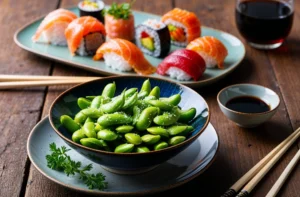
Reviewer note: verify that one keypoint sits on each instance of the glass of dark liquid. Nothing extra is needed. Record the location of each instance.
(264, 23)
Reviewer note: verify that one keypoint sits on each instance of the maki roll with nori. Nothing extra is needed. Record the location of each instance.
(92, 8)
(153, 38)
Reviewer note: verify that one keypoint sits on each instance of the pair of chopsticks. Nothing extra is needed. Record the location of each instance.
(22, 81)
(248, 181)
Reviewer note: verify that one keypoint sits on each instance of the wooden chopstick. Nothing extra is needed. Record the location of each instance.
(235, 188)
(255, 180)
(42, 78)
(278, 184)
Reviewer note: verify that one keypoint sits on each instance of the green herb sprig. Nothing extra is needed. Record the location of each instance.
(59, 160)
(120, 11)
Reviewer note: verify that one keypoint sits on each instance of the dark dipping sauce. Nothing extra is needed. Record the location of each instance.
(247, 104)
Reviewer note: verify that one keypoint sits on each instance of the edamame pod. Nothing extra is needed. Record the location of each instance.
(174, 99)
(130, 101)
(98, 127)
(136, 114)
(145, 89)
(161, 104)
(141, 149)
(89, 130)
(92, 112)
(89, 120)
(158, 131)
(167, 118)
(130, 92)
(176, 140)
(96, 102)
(150, 139)
(80, 117)
(115, 105)
(124, 148)
(187, 115)
(69, 123)
(78, 135)
(148, 98)
(107, 135)
(93, 143)
(124, 129)
(133, 138)
(160, 145)
(117, 118)
(83, 103)
(155, 92)
(109, 90)
(146, 118)
(177, 130)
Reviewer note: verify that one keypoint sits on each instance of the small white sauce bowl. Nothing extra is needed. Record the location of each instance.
(248, 120)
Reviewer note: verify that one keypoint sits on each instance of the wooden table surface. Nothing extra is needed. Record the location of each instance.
(240, 149)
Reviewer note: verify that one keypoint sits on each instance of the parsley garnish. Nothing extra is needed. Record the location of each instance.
(59, 160)
(120, 11)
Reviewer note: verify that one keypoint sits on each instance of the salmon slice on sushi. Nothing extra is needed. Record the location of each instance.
(85, 35)
(52, 28)
(211, 49)
(123, 55)
(183, 65)
(184, 26)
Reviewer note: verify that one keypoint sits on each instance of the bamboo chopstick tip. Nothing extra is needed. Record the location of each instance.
(243, 194)
(229, 193)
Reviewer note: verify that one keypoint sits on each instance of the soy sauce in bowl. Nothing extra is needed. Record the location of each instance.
(247, 104)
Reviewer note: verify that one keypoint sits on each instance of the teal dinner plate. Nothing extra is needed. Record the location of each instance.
(236, 52)
(182, 168)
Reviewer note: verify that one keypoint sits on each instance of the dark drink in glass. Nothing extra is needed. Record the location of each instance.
(264, 23)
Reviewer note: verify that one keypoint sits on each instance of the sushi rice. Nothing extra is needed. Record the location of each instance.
(116, 62)
(180, 25)
(55, 35)
(178, 74)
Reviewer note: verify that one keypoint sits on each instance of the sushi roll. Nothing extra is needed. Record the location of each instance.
(183, 65)
(123, 55)
(92, 8)
(119, 22)
(184, 26)
(85, 35)
(211, 49)
(52, 28)
(153, 38)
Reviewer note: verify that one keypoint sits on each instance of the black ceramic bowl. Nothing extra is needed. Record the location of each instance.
(129, 163)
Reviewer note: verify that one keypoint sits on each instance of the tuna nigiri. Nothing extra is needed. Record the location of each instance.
(184, 26)
(85, 35)
(211, 49)
(52, 28)
(123, 55)
(182, 64)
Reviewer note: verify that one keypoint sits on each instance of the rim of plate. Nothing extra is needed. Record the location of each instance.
(97, 192)
(188, 140)
(88, 68)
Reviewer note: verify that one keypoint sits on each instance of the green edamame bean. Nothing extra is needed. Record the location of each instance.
(92, 112)
(117, 118)
(177, 130)
(141, 149)
(145, 89)
(176, 140)
(146, 118)
(150, 139)
(174, 99)
(80, 117)
(161, 104)
(78, 135)
(69, 123)
(130, 101)
(115, 105)
(83, 103)
(136, 114)
(93, 143)
(187, 115)
(158, 131)
(160, 145)
(167, 118)
(96, 102)
(109, 90)
(124, 128)
(155, 92)
(89, 130)
(124, 148)
(130, 92)
(107, 135)
(133, 138)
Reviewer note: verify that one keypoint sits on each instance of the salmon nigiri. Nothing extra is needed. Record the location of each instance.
(123, 55)
(85, 35)
(211, 49)
(184, 26)
(53, 27)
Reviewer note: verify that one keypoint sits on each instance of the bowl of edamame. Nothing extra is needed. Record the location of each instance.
(129, 124)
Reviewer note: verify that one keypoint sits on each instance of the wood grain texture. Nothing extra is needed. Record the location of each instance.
(20, 110)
